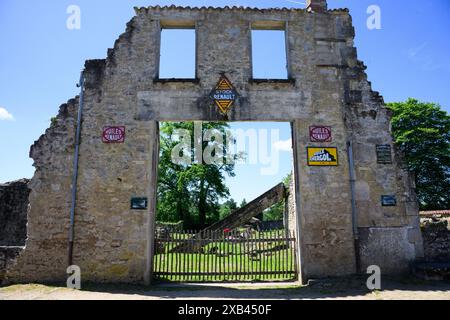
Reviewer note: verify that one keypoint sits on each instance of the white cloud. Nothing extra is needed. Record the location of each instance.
(297, 2)
(5, 115)
(283, 145)
(424, 59)
(413, 52)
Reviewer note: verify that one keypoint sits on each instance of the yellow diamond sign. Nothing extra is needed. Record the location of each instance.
(224, 95)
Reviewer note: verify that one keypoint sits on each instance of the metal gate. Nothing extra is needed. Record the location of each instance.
(238, 255)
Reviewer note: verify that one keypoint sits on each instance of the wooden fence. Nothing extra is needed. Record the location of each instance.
(239, 255)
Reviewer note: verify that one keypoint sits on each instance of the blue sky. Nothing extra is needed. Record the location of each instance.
(41, 60)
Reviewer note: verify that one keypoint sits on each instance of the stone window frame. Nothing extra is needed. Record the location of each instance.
(278, 25)
(169, 24)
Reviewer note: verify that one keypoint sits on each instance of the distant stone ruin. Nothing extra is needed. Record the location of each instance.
(13, 221)
(13, 212)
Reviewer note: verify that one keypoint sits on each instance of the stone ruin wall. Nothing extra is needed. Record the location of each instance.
(331, 88)
(13, 212)
(45, 255)
(436, 239)
(388, 236)
(13, 221)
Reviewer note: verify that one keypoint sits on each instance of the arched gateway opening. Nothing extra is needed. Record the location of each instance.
(354, 202)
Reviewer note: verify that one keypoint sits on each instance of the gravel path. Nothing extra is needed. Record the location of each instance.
(341, 290)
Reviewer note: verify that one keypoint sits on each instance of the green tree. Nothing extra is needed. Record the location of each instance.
(227, 207)
(243, 203)
(191, 191)
(287, 180)
(276, 212)
(422, 131)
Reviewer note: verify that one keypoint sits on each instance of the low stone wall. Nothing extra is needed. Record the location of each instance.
(7, 256)
(436, 236)
(13, 212)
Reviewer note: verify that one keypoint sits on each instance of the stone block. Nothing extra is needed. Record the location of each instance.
(388, 248)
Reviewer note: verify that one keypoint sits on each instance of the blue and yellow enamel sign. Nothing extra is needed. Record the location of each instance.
(224, 95)
(322, 156)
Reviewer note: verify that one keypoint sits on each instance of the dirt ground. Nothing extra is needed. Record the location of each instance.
(342, 289)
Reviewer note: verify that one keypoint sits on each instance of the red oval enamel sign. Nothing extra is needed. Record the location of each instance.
(113, 135)
(320, 134)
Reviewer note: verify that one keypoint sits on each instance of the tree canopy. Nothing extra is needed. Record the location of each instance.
(422, 131)
(191, 191)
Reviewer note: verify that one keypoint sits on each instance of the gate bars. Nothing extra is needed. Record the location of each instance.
(225, 256)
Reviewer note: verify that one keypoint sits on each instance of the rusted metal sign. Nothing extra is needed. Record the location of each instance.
(224, 94)
(322, 156)
(320, 134)
(113, 135)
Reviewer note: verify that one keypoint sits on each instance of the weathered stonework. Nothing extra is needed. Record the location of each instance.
(327, 86)
(7, 256)
(316, 5)
(47, 229)
(436, 238)
(13, 212)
